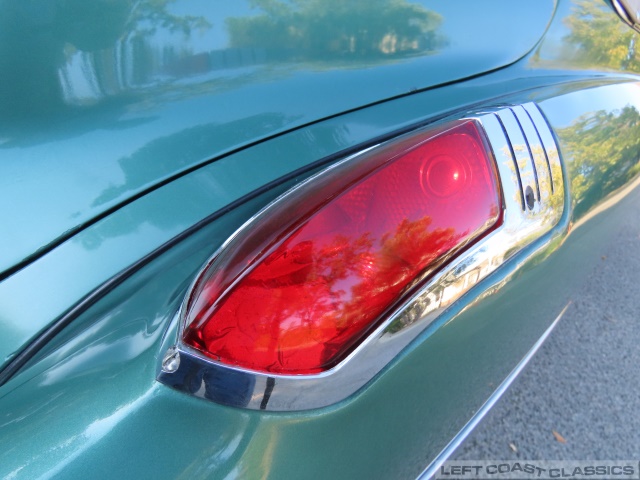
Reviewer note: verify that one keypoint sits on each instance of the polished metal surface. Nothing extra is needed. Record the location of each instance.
(520, 152)
(629, 11)
(533, 201)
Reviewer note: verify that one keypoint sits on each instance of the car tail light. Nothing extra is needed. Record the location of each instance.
(299, 286)
(315, 295)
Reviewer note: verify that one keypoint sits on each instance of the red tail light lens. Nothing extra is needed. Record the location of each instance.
(296, 290)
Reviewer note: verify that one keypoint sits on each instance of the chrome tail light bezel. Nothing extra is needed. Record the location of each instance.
(532, 182)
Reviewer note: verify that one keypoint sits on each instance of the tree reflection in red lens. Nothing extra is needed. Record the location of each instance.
(306, 301)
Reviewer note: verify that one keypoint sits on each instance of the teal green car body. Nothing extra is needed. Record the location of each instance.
(136, 137)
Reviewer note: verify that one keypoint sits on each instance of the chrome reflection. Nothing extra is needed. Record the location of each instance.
(629, 11)
(527, 159)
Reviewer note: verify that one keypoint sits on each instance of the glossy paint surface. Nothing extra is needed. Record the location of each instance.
(142, 226)
(96, 392)
(103, 100)
(90, 399)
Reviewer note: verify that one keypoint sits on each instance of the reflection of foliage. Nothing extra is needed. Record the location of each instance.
(374, 270)
(601, 38)
(101, 23)
(50, 34)
(146, 17)
(604, 149)
(555, 203)
(322, 28)
(319, 295)
(413, 243)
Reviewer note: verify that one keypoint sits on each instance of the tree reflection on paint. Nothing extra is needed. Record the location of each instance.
(319, 29)
(604, 151)
(601, 38)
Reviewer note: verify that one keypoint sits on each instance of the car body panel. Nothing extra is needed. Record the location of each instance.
(88, 404)
(96, 393)
(144, 225)
(93, 117)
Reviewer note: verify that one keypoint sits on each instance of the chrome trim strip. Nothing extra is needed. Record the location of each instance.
(536, 143)
(442, 457)
(628, 12)
(549, 146)
(188, 370)
(536, 152)
(520, 149)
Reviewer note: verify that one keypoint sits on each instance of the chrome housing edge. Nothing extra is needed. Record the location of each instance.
(531, 178)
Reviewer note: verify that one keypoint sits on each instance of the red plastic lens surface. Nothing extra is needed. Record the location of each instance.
(310, 280)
